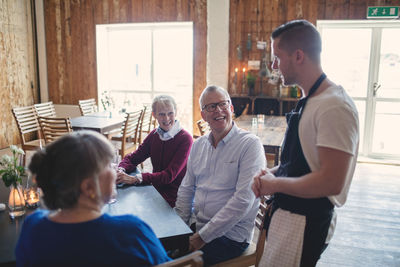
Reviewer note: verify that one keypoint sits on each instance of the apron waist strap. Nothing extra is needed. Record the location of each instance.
(304, 206)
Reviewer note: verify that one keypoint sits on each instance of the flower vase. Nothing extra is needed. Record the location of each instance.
(16, 201)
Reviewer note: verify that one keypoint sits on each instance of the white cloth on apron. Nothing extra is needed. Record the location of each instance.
(284, 245)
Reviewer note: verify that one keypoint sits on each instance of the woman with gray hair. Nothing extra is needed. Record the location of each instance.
(77, 180)
(168, 147)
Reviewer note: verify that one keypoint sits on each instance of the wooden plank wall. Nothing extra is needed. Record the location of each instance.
(260, 17)
(17, 65)
(71, 41)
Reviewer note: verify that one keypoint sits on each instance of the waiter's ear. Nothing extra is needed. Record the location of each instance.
(299, 56)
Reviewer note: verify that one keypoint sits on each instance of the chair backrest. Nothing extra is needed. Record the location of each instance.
(87, 106)
(130, 129)
(147, 123)
(193, 259)
(54, 128)
(245, 110)
(147, 119)
(27, 123)
(203, 127)
(252, 256)
(259, 223)
(45, 109)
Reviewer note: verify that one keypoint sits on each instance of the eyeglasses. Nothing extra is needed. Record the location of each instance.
(223, 105)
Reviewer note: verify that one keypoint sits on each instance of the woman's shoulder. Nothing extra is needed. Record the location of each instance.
(36, 216)
(128, 227)
(36, 219)
(125, 221)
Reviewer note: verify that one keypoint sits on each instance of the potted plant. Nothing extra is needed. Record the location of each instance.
(12, 173)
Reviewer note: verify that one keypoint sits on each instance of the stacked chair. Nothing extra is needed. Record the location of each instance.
(38, 125)
(87, 106)
(53, 128)
(28, 127)
(46, 109)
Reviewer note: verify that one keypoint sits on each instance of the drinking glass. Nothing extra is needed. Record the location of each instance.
(113, 197)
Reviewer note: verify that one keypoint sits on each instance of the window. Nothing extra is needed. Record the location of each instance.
(367, 64)
(138, 61)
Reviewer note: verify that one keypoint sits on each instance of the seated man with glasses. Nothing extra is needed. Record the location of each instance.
(217, 184)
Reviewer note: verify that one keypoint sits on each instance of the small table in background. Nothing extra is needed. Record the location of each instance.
(100, 122)
(270, 129)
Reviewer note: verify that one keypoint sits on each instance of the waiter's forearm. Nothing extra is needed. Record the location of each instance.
(328, 180)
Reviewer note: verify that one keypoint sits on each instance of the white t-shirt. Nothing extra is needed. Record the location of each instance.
(330, 119)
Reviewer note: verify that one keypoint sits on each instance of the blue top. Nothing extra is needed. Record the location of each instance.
(105, 241)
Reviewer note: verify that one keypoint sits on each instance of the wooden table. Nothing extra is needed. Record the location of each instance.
(150, 206)
(270, 129)
(99, 122)
(142, 201)
(9, 233)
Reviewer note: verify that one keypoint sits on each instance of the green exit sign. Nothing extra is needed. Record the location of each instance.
(379, 12)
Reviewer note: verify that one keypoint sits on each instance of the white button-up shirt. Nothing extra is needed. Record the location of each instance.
(217, 186)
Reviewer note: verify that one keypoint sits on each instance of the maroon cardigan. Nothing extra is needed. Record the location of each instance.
(168, 158)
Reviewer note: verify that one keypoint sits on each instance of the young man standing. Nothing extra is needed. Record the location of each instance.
(318, 155)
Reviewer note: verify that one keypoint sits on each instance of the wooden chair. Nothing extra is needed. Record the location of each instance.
(147, 124)
(203, 127)
(193, 259)
(87, 106)
(45, 109)
(253, 253)
(245, 110)
(54, 128)
(128, 139)
(28, 127)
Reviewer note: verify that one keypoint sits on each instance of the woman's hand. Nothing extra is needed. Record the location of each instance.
(122, 177)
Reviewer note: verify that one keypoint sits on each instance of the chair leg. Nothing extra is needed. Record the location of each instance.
(24, 159)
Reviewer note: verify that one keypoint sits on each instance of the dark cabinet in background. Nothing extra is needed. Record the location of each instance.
(262, 105)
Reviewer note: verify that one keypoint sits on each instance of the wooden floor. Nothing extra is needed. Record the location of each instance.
(368, 225)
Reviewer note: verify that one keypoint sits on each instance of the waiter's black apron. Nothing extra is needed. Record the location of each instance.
(318, 211)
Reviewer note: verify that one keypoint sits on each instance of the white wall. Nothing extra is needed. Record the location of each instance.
(218, 42)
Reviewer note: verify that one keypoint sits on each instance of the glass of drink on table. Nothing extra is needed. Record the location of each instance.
(114, 165)
(113, 197)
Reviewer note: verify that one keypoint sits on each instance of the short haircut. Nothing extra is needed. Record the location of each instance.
(213, 88)
(165, 100)
(62, 165)
(299, 34)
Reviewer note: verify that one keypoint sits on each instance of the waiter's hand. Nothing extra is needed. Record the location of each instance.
(262, 183)
(122, 177)
(195, 242)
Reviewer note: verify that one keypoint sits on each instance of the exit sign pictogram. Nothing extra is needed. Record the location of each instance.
(379, 12)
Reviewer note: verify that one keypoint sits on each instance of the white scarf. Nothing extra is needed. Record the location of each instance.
(165, 136)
